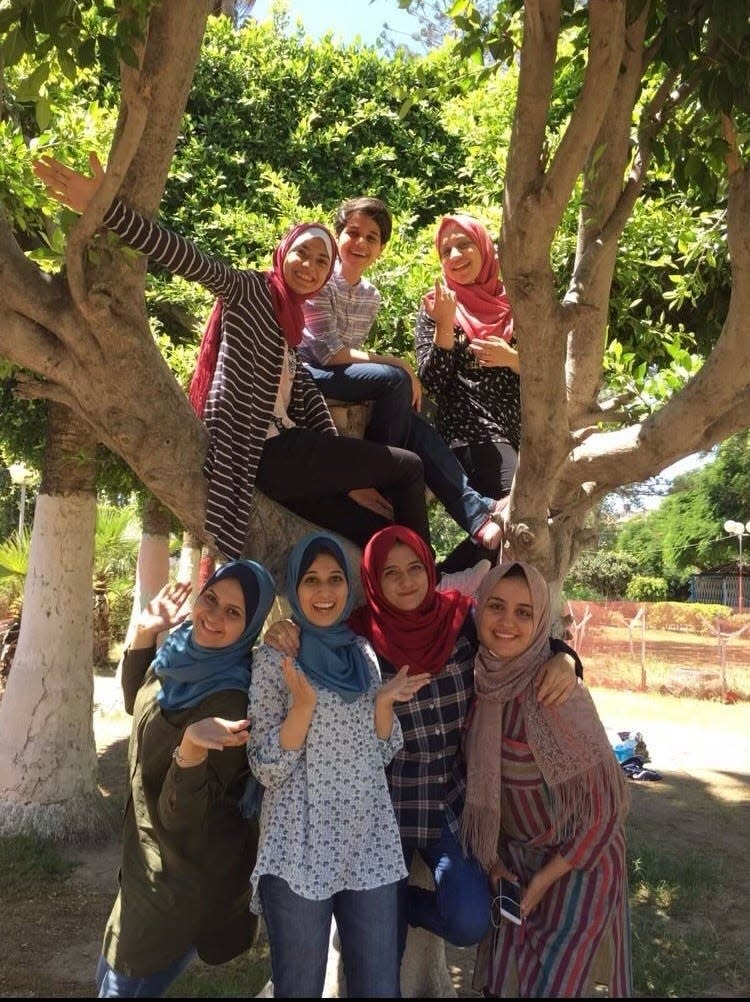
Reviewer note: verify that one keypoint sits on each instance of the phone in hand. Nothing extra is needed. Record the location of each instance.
(509, 901)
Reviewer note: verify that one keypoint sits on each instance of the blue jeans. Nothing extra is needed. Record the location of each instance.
(394, 422)
(458, 909)
(110, 984)
(490, 467)
(387, 386)
(299, 932)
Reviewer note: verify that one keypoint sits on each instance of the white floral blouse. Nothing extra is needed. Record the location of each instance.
(327, 823)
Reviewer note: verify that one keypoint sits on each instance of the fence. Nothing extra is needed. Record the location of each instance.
(685, 648)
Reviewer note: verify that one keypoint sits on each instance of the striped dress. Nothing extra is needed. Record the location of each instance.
(241, 400)
(579, 932)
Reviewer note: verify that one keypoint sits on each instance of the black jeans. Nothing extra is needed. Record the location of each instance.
(312, 473)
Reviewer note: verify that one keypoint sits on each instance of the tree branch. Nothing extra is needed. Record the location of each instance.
(607, 39)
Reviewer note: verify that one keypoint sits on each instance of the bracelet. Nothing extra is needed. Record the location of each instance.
(183, 763)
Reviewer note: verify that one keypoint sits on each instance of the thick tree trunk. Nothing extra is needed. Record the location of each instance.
(48, 765)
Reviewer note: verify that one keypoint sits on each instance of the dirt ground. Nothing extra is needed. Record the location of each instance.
(701, 804)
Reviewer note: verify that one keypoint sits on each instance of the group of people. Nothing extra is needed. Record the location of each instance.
(424, 721)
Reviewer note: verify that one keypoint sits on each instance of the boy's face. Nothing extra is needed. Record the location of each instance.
(359, 243)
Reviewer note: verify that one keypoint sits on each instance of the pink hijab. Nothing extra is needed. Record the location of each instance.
(287, 306)
(482, 308)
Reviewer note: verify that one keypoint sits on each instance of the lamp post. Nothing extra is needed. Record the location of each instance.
(21, 476)
(739, 530)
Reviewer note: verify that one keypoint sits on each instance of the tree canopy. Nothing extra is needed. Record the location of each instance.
(607, 141)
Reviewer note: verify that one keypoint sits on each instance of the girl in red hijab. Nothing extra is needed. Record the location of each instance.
(409, 622)
(268, 424)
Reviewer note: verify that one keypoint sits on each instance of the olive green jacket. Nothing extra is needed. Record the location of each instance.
(187, 854)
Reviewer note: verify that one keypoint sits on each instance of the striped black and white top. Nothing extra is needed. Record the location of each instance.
(240, 403)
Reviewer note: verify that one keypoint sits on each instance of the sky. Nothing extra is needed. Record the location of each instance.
(345, 18)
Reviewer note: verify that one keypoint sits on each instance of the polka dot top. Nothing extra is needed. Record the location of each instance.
(473, 404)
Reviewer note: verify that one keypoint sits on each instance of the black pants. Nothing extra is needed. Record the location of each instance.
(489, 469)
(311, 474)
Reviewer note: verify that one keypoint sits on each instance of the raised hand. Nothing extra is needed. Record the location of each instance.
(210, 733)
(440, 306)
(166, 609)
(68, 186)
(402, 686)
(300, 688)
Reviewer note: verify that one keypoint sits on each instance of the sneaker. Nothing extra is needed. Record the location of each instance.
(466, 581)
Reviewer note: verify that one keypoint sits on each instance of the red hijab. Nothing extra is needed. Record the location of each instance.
(482, 308)
(287, 306)
(424, 637)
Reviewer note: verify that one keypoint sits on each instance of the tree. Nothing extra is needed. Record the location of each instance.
(642, 60)
(82, 335)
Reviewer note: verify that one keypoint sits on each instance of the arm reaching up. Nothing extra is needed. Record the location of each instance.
(68, 186)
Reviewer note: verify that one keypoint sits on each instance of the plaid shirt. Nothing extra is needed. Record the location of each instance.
(427, 777)
(339, 316)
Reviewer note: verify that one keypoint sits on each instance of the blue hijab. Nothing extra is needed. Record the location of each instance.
(328, 655)
(189, 672)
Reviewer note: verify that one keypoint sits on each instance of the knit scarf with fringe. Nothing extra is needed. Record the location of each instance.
(568, 742)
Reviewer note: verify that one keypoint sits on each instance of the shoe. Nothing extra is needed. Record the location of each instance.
(466, 581)
(490, 536)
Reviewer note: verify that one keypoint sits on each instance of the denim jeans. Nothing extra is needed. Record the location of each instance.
(387, 386)
(458, 909)
(110, 984)
(394, 422)
(490, 467)
(299, 932)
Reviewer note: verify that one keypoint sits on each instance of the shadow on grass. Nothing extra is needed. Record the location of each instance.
(689, 889)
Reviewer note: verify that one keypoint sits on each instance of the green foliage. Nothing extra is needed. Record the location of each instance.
(685, 534)
(604, 572)
(117, 537)
(52, 38)
(690, 617)
(646, 589)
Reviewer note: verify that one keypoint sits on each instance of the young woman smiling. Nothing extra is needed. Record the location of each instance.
(468, 363)
(187, 852)
(413, 627)
(268, 423)
(322, 731)
(546, 802)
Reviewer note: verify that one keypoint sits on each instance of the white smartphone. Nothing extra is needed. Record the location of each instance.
(509, 900)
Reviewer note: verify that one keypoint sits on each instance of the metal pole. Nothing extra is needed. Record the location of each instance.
(739, 537)
(22, 510)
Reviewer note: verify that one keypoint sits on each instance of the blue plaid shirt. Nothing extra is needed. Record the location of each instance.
(427, 777)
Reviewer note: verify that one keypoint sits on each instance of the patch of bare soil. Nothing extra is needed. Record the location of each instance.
(51, 941)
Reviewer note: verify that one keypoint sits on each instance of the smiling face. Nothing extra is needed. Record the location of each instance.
(360, 244)
(404, 581)
(306, 265)
(219, 614)
(506, 623)
(460, 257)
(323, 591)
